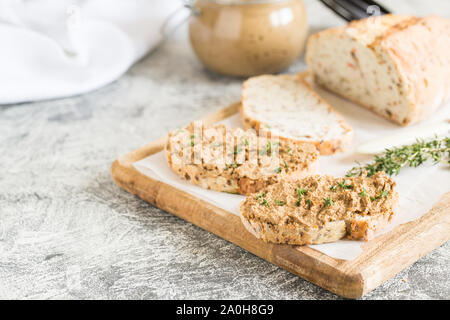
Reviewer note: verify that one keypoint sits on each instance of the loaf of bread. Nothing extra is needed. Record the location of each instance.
(396, 66)
(236, 161)
(287, 107)
(320, 209)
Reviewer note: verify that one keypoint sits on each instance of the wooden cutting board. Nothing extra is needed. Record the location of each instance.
(381, 259)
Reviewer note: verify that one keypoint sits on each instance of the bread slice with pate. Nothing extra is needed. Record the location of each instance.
(320, 209)
(287, 107)
(234, 160)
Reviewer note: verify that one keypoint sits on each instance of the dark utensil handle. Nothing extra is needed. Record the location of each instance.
(366, 4)
(355, 9)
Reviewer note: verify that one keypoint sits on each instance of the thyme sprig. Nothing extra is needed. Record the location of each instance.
(393, 160)
(328, 202)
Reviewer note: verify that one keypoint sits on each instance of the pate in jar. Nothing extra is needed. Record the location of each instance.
(247, 37)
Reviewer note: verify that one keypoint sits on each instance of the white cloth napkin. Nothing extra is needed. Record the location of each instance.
(59, 48)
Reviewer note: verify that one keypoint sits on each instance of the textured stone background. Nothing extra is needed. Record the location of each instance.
(67, 232)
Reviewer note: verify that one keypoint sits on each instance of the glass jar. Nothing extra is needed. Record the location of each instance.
(247, 37)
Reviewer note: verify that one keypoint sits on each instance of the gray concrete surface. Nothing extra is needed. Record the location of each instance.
(67, 232)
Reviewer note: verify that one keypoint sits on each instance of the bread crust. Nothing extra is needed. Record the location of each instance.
(419, 51)
(325, 147)
(296, 235)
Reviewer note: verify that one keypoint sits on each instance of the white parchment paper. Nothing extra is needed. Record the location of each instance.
(419, 188)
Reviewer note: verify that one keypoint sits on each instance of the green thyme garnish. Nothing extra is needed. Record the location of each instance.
(269, 147)
(278, 170)
(246, 142)
(264, 202)
(286, 166)
(289, 151)
(344, 185)
(393, 160)
(328, 202)
(383, 194)
(309, 202)
(333, 188)
(280, 203)
(262, 195)
(192, 140)
(363, 193)
(301, 192)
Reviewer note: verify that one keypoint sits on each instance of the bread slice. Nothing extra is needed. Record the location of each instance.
(236, 161)
(396, 66)
(320, 209)
(287, 107)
